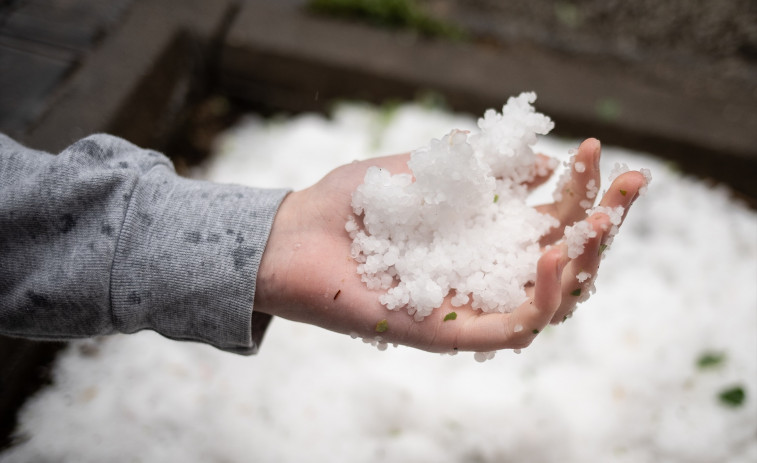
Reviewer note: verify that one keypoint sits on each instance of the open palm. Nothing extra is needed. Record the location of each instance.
(308, 275)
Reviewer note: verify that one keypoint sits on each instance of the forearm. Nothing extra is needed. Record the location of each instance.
(104, 238)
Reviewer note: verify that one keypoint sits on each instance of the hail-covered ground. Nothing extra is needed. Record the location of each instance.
(659, 365)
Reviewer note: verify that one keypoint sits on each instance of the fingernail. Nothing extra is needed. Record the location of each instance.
(561, 266)
(597, 155)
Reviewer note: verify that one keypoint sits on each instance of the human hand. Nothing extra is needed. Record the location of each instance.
(308, 275)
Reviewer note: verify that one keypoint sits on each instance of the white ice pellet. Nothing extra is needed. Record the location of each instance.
(562, 182)
(591, 189)
(586, 293)
(377, 342)
(617, 170)
(484, 356)
(580, 167)
(460, 299)
(518, 328)
(583, 276)
(648, 179)
(351, 226)
(614, 213)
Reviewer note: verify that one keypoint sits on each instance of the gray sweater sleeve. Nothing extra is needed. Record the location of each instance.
(105, 237)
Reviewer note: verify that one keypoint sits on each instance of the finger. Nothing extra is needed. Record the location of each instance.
(516, 330)
(624, 191)
(621, 195)
(396, 164)
(578, 277)
(530, 318)
(578, 193)
(544, 167)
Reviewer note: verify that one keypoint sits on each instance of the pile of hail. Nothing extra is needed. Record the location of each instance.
(460, 223)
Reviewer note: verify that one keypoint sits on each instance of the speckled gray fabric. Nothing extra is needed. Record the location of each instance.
(105, 237)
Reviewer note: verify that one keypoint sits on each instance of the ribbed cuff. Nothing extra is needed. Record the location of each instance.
(187, 260)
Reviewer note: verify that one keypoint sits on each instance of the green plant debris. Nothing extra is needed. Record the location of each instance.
(535, 331)
(387, 111)
(710, 360)
(733, 396)
(450, 316)
(382, 326)
(623, 192)
(496, 198)
(576, 292)
(608, 109)
(431, 100)
(674, 167)
(395, 14)
(602, 248)
(568, 14)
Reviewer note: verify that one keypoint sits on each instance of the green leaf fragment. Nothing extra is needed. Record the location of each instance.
(609, 109)
(602, 248)
(576, 292)
(710, 360)
(568, 14)
(496, 198)
(394, 14)
(733, 396)
(623, 192)
(450, 316)
(535, 331)
(382, 326)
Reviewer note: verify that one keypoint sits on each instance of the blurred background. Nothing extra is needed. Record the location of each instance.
(676, 79)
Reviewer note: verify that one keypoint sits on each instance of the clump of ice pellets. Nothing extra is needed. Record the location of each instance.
(460, 224)
(576, 236)
(484, 356)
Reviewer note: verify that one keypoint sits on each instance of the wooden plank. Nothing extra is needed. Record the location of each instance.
(26, 83)
(277, 45)
(74, 24)
(120, 75)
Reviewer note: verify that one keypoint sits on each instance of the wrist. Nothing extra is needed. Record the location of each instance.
(270, 285)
